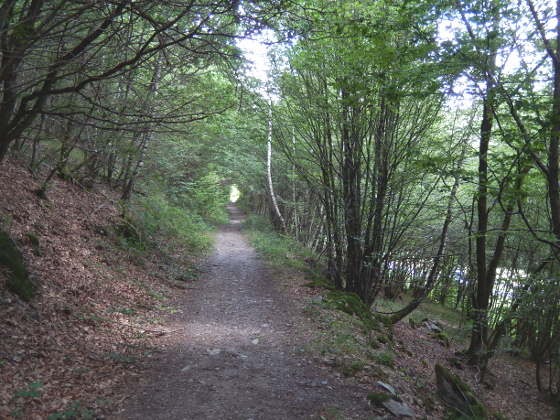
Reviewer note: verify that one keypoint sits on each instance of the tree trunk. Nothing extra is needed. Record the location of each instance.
(482, 297)
(485, 274)
(273, 199)
(146, 133)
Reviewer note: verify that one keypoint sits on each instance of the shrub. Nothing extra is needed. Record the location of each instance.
(385, 358)
(154, 216)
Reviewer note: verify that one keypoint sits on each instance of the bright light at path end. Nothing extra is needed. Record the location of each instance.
(234, 194)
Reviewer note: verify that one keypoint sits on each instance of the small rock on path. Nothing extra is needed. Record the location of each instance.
(238, 352)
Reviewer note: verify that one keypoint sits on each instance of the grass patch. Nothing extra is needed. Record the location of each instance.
(280, 252)
(153, 217)
(385, 358)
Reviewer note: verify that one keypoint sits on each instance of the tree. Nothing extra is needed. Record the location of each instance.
(439, 257)
(60, 49)
(357, 120)
(274, 201)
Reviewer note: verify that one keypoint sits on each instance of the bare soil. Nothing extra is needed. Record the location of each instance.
(236, 351)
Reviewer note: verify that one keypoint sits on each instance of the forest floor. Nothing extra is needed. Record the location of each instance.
(113, 335)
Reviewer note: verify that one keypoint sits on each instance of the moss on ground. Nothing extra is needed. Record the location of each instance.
(34, 241)
(379, 398)
(458, 396)
(351, 304)
(444, 338)
(19, 281)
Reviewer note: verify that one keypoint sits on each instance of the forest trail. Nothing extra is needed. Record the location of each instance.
(236, 351)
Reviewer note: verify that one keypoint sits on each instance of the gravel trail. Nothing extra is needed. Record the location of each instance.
(238, 353)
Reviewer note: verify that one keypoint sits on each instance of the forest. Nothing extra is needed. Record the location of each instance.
(412, 146)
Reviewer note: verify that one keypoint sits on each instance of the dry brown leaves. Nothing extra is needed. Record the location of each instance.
(97, 309)
(509, 390)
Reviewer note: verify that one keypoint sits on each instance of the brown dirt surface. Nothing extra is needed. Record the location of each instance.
(508, 390)
(236, 351)
(112, 335)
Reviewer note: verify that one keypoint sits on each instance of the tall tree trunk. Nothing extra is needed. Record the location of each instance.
(385, 128)
(482, 297)
(146, 133)
(273, 199)
(485, 273)
(351, 178)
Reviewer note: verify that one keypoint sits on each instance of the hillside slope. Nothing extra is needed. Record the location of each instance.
(97, 306)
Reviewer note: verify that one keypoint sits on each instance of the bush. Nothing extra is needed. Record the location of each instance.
(254, 222)
(205, 197)
(153, 217)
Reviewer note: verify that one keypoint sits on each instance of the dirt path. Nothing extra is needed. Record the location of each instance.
(237, 354)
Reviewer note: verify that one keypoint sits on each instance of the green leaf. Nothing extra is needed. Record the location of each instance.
(32, 390)
(28, 393)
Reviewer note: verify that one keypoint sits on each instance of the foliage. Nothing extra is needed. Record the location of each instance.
(385, 358)
(74, 410)
(103, 64)
(204, 197)
(280, 250)
(351, 126)
(258, 224)
(32, 391)
(155, 216)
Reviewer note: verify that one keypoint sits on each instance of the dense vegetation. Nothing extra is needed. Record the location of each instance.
(410, 145)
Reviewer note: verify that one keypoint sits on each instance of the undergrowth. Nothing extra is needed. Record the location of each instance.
(349, 337)
(151, 218)
(456, 324)
(279, 251)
